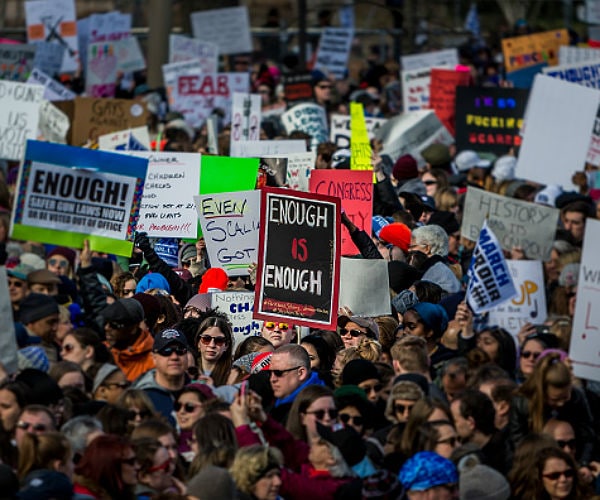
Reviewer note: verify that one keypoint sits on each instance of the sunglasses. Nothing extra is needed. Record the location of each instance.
(400, 408)
(164, 466)
(187, 407)
(133, 414)
(116, 326)
(207, 339)
(320, 414)
(57, 262)
(34, 427)
(354, 333)
(16, 283)
(121, 385)
(129, 461)
(553, 476)
(281, 373)
(68, 347)
(167, 351)
(370, 388)
(530, 354)
(429, 183)
(571, 443)
(452, 441)
(346, 419)
(284, 327)
(325, 86)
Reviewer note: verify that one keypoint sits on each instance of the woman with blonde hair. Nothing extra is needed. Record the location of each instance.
(140, 406)
(256, 471)
(50, 450)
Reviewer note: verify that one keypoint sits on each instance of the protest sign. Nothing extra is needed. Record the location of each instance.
(442, 97)
(299, 168)
(568, 54)
(20, 105)
(66, 195)
(238, 306)
(129, 55)
(583, 73)
(489, 119)
(593, 154)
(272, 171)
(333, 51)
(8, 342)
(228, 29)
(515, 223)
(410, 133)
(539, 49)
(48, 57)
(340, 129)
(355, 190)
(297, 88)
(309, 118)
(365, 297)
(529, 305)
(53, 123)
(257, 149)
(92, 117)
(54, 21)
(585, 338)
(183, 48)
(16, 61)
(172, 71)
(490, 281)
(446, 57)
(241, 174)
(548, 155)
(415, 88)
(53, 91)
(360, 147)
(135, 139)
(245, 118)
(106, 27)
(299, 261)
(196, 96)
(230, 226)
(101, 72)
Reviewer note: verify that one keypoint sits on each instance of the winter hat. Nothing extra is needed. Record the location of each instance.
(203, 389)
(37, 306)
(152, 280)
(350, 443)
(65, 252)
(427, 470)
(244, 362)
(200, 301)
(212, 482)
(504, 168)
(569, 276)
(433, 316)
(45, 483)
(105, 371)
(437, 155)
(180, 124)
(184, 274)
(151, 306)
(215, 277)
(377, 224)
(548, 195)
(415, 378)
(446, 220)
(167, 337)
(481, 482)
(261, 362)
(33, 357)
(126, 311)
(187, 253)
(404, 301)
(20, 271)
(167, 249)
(368, 323)
(402, 275)
(405, 168)
(359, 370)
(382, 484)
(466, 160)
(33, 260)
(397, 234)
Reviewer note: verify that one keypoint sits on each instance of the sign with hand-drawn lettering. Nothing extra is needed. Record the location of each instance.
(228, 29)
(230, 226)
(245, 118)
(309, 118)
(297, 88)
(442, 94)
(299, 261)
(515, 223)
(183, 48)
(238, 306)
(53, 91)
(340, 129)
(334, 49)
(16, 61)
(299, 168)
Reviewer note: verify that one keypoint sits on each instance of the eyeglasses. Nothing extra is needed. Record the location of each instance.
(34, 427)
(530, 354)
(207, 339)
(133, 414)
(281, 373)
(553, 476)
(320, 414)
(400, 408)
(370, 388)
(187, 407)
(269, 325)
(121, 385)
(164, 466)
(167, 351)
(57, 262)
(129, 461)
(346, 419)
(354, 333)
(16, 283)
(452, 441)
(68, 347)
(430, 183)
(116, 326)
(571, 443)
(191, 310)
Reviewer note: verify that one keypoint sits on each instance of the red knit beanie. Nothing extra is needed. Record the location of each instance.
(405, 168)
(397, 234)
(214, 277)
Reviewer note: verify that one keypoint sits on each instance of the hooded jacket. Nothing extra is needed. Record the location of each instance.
(136, 359)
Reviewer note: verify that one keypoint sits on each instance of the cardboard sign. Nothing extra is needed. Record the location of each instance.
(16, 61)
(585, 73)
(135, 139)
(66, 195)
(489, 119)
(129, 55)
(257, 149)
(533, 50)
(549, 155)
(297, 88)
(93, 117)
(446, 57)
(334, 49)
(48, 57)
(228, 29)
(8, 342)
(245, 118)
(299, 262)
(20, 105)
(182, 48)
(415, 89)
(529, 305)
(101, 72)
(410, 133)
(365, 297)
(299, 168)
(309, 118)
(238, 306)
(53, 91)
(53, 124)
(586, 330)
(242, 174)
(355, 190)
(54, 21)
(340, 129)
(230, 226)
(515, 223)
(442, 96)
(568, 54)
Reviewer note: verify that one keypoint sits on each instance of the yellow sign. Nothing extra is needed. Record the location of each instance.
(529, 50)
(360, 147)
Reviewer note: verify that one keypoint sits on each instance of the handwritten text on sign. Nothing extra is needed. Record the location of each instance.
(238, 306)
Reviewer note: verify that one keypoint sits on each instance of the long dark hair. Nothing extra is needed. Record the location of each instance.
(507, 349)
(223, 366)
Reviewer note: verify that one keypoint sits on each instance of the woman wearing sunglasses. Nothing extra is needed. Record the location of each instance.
(155, 475)
(214, 341)
(313, 404)
(84, 347)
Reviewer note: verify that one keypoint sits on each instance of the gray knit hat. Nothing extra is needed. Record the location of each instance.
(102, 374)
(481, 482)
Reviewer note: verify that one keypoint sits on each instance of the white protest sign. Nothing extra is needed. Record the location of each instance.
(101, 71)
(447, 57)
(339, 132)
(53, 124)
(8, 342)
(167, 207)
(258, 149)
(136, 139)
(334, 49)
(183, 48)
(238, 306)
(172, 71)
(196, 96)
(593, 154)
(53, 91)
(365, 297)
(129, 55)
(54, 21)
(228, 28)
(299, 167)
(109, 26)
(230, 226)
(415, 88)
(410, 133)
(567, 54)
(490, 282)
(20, 105)
(529, 305)
(48, 57)
(585, 339)
(583, 73)
(309, 118)
(515, 223)
(245, 118)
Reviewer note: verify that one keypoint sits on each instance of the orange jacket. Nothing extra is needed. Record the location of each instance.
(137, 358)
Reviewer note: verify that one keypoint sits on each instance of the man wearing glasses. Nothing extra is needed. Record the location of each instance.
(17, 286)
(279, 334)
(34, 419)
